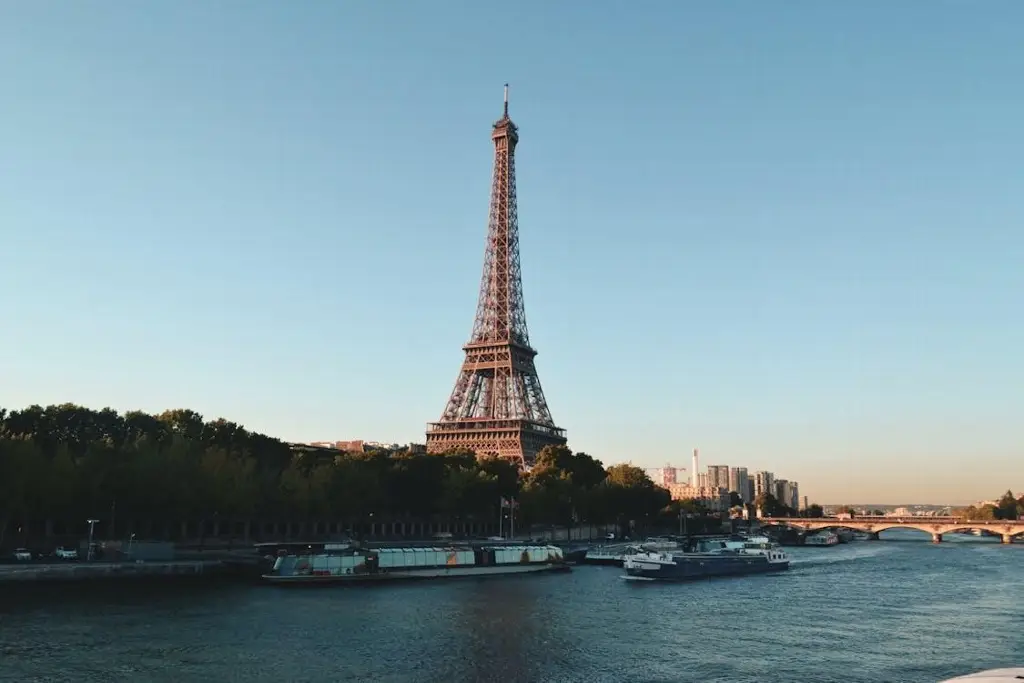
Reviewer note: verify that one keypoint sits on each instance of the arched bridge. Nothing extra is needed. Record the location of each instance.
(936, 526)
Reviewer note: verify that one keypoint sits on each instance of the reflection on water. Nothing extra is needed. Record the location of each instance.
(499, 620)
(863, 612)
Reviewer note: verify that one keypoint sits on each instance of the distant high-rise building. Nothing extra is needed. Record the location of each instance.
(718, 476)
(787, 493)
(702, 480)
(693, 473)
(738, 480)
(665, 476)
(750, 491)
(764, 482)
(805, 504)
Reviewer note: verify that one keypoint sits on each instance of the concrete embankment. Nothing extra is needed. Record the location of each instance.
(97, 571)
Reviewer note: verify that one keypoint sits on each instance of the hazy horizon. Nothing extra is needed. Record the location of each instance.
(787, 234)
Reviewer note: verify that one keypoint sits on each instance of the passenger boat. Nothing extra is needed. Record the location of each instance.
(606, 555)
(345, 563)
(756, 555)
(822, 539)
(614, 555)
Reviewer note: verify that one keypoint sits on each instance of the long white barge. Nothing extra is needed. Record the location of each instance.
(344, 563)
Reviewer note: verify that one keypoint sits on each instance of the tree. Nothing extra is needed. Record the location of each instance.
(1007, 507)
(814, 510)
(735, 499)
(983, 513)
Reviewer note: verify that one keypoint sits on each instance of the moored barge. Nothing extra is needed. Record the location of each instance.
(345, 563)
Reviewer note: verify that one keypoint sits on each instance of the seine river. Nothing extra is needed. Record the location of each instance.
(889, 611)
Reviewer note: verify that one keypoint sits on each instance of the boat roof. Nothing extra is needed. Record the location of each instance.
(380, 545)
(412, 546)
(449, 548)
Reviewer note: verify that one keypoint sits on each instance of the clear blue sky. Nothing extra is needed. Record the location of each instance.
(787, 233)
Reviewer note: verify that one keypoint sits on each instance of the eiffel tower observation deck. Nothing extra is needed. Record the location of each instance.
(497, 407)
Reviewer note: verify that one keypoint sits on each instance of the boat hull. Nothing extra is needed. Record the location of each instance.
(603, 560)
(415, 574)
(702, 567)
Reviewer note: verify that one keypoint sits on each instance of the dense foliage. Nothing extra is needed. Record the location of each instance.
(65, 463)
(770, 506)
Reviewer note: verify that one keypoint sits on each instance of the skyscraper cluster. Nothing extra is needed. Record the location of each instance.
(713, 487)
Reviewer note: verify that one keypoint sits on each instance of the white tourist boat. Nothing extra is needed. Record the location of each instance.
(614, 555)
(823, 538)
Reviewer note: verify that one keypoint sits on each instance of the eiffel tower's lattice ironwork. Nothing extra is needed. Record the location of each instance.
(497, 407)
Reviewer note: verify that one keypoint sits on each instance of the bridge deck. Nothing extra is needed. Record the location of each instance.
(936, 526)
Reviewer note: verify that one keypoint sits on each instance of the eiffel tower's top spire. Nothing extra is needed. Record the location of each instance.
(504, 127)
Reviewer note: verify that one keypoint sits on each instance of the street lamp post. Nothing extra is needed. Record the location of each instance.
(88, 552)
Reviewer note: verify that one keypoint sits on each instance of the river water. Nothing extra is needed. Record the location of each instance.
(886, 611)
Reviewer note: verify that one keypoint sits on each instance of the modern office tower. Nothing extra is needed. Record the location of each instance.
(718, 476)
(764, 482)
(738, 479)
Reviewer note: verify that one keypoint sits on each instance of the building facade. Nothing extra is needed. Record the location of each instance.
(666, 476)
(718, 476)
(715, 498)
(787, 493)
(764, 482)
(738, 482)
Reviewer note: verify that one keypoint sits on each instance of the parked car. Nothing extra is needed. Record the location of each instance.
(66, 553)
(22, 554)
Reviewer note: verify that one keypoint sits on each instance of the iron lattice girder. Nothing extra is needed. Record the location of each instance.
(497, 406)
(494, 356)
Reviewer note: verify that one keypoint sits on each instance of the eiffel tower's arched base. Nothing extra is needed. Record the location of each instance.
(516, 440)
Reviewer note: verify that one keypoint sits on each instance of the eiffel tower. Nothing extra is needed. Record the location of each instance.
(497, 407)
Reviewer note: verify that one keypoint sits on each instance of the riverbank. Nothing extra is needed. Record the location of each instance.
(113, 571)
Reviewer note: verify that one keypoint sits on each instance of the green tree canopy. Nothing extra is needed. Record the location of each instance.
(65, 463)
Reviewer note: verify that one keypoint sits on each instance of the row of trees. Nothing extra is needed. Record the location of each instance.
(64, 463)
(1008, 507)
